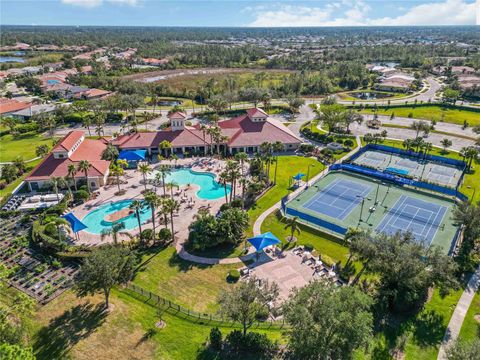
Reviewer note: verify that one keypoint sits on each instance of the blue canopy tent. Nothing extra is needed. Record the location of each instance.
(75, 223)
(262, 241)
(299, 176)
(133, 155)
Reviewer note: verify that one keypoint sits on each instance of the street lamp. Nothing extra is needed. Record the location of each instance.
(308, 172)
(361, 209)
(376, 193)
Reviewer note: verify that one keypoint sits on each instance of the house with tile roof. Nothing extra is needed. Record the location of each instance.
(9, 106)
(73, 148)
(244, 133)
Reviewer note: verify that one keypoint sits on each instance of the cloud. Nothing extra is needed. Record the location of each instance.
(89, 4)
(356, 13)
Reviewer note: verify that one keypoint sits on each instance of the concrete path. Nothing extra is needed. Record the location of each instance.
(456, 321)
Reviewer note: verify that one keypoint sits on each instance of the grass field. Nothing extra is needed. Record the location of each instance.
(433, 112)
(471, 325)
(22, 145)
(191, 285)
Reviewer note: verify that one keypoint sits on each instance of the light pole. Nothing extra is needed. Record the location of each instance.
(361, 209)
(308, 172)
(376, 193)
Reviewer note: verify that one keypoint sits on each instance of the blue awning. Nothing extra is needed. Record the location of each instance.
(299, 176)
(75, 223)
(262, 241)
(132, 155)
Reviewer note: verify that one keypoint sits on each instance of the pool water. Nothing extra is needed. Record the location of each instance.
(96, 223)
(209, 188)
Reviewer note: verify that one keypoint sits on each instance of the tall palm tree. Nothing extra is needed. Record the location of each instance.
(232, 169)
(84, 166)
(136, 206)
(153, 201)
(164, 170)
(170, 186)
(164, 146)
(56, 182)
(276, 148)
(170, 206)
(224, 177)
(470, 153)
(117, 170)
(110, 153)
(294, 226)
(144, 169)
(242, 158)
(71, 171)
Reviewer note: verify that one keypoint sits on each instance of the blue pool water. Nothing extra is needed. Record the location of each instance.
(96, 223)
(209, 188)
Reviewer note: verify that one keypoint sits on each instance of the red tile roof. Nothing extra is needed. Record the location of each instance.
(90, 150)
(179, 138)
(10, 105)
(69, 140)
(92, 93)
(177, 115)
(256, 112)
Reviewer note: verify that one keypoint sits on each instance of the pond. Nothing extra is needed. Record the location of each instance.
(11, 59)
(369, 95)
(167, 102)
(390, 64)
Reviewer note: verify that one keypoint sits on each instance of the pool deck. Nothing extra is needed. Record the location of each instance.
(134, 188)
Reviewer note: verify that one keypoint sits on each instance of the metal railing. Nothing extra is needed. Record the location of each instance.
(193, 316)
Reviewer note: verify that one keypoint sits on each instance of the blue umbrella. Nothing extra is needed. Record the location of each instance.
(299, 176)
(75, 223)
(262, 241)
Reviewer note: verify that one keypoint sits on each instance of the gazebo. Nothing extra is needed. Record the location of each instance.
(75, 223)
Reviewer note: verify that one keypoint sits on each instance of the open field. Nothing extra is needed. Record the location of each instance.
(433, 112)
(471, 325)
(22, 145)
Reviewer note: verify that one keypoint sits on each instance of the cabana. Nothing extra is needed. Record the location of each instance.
(264, 240)
(133, 156)
(75, 223)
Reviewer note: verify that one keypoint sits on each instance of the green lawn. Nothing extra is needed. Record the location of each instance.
(328, 247)
(191, 285)
(471, 325)
(22, 145)
(433, 112)
(288, 166)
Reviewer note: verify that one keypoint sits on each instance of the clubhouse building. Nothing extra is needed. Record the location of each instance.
(244, 133)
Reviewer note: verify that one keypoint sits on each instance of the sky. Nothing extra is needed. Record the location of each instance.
(240, 13)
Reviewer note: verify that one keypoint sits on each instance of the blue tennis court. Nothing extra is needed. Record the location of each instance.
(338, 198)
(421, 218)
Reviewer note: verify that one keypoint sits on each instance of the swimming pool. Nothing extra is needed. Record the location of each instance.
(209, 188)
(96, 221)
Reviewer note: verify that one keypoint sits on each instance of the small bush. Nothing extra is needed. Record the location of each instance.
(3, 184)
(237, 203)
(233, 275)
(225, 206)
(164, 235)
(308, 247)
(80, 195)
(348, 143)
(215, 339)
(252, 343)
(146, 235)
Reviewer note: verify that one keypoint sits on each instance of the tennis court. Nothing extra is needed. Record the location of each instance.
(338, 199)
(343, 199)
(423, 219)
(413, 167)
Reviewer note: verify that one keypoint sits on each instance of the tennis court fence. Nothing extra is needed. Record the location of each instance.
(399, 180)
(190, 315)
(435, 158)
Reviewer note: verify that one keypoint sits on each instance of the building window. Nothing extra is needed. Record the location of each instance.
(60, 156)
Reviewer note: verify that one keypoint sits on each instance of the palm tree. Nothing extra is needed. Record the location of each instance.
(110, 153)
(145, 169)
(136, 206)
(71, 171)
(56, 182)
(57, 222)
(244, 182)
(446, 143)
(164, 146)
(164, 170)
(294, 226)
(117, 170)
(470, 153)
(352, 116)
(170, 186)
(233, 173)
(114, 230)
(223, 177)
(276, 148)
(361, 247)
(169, 207)
(84, 166)
(153, 201)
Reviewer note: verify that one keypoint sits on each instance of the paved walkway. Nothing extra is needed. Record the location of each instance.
(456, 321)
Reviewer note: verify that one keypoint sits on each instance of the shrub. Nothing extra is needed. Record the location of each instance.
(253, 343)
(73, 118)
(225, 206)
(237, 203)
(113, 118)
(339, 141)
(56, 264)
(233, 275)
(3, 184)
(348, 143)
(308, 247)
(215, 339)
(26, 128)
(164, 235)
(410, 115)
(81, 195)
(146, 235)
